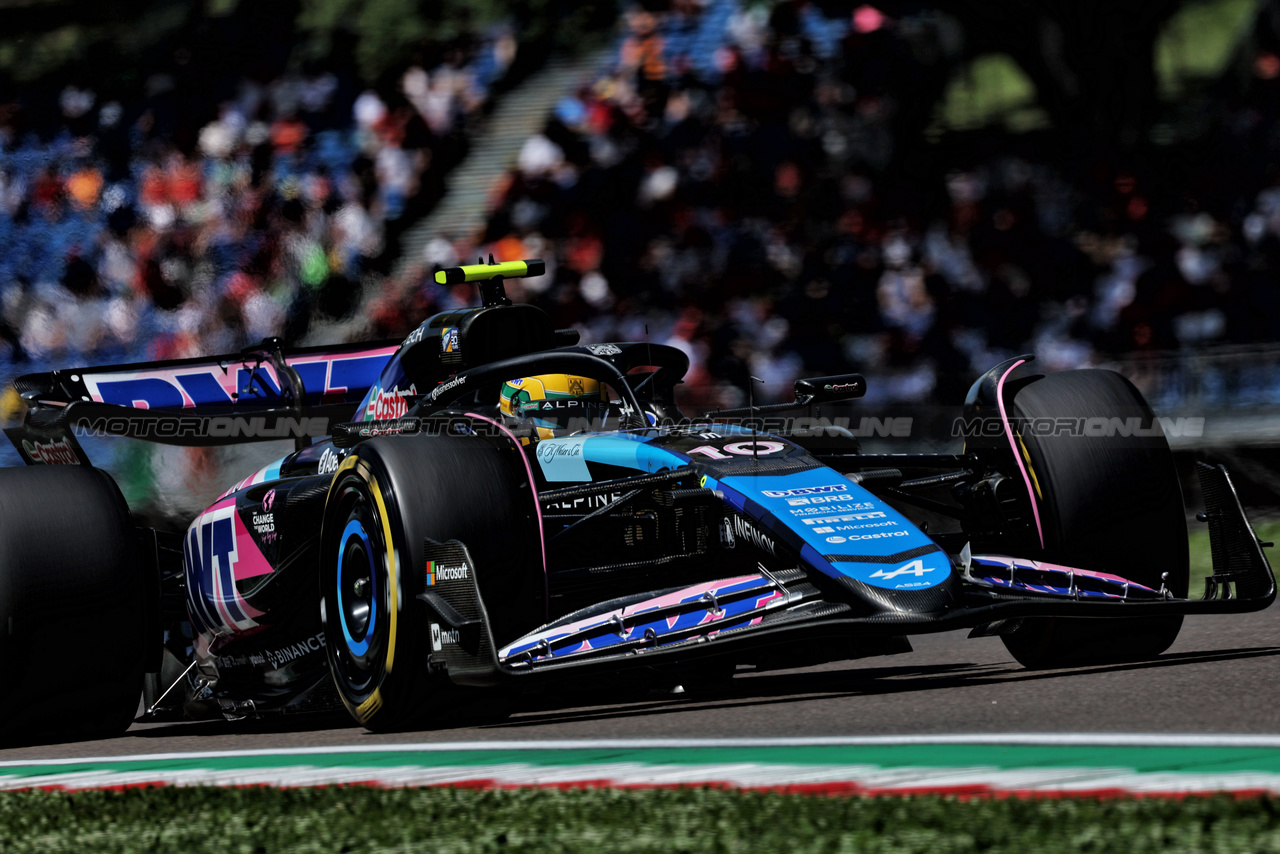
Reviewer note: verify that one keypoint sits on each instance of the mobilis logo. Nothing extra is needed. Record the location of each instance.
(55, 453)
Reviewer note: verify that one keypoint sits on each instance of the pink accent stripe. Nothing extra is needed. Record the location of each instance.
(640, 608)
(251, 563)
(1005, 560)
(537, 508)
(1008, 431)
(1089, 573)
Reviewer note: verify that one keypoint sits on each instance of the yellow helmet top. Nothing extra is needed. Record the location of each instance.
(549, 395)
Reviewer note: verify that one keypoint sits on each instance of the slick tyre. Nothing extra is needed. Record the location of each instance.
(387, 497)
(1107, 501)
(74, 606)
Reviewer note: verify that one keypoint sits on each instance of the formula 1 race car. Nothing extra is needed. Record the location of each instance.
(490, 505)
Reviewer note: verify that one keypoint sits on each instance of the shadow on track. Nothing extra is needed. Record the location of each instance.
(749, 690)
(566, 703)
(269, 725)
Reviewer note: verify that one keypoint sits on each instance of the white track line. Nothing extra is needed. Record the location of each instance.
(1032, 739)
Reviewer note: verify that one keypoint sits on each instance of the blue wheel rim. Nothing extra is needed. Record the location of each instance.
(358, 647)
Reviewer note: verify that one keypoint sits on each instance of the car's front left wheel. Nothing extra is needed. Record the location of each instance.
(389, 498)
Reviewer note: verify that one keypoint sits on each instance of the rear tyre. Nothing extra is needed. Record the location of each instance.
(387, 497)
(73, 606)
(1107, 502)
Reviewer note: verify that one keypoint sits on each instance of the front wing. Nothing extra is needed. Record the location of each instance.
(763, 608)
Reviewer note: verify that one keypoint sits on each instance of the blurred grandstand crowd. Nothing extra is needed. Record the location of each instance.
(728, 174)
(718, 186)
(176, 224)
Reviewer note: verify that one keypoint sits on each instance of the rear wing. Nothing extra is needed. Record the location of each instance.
(262, 394)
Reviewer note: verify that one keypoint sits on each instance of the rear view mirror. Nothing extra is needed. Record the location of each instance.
(816, 390)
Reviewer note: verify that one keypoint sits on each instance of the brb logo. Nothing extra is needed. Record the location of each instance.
(209, 556)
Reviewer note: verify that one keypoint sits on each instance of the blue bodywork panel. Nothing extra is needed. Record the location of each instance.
(819, 513)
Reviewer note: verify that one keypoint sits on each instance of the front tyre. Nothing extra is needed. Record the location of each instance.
(361, 593)
(1109, 499)
(387, 498)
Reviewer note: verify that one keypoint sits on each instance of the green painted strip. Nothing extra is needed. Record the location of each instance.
(1198, 760)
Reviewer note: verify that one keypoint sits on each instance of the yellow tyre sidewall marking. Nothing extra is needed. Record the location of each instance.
(393, 576)
(350, 463)
(1035, 481)
(373, 702)
(366, 710)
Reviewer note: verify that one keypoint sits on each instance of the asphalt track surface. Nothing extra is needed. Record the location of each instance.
(1221, 677)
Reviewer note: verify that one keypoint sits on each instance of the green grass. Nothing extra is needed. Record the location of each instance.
(688, 820)
(1268, 530)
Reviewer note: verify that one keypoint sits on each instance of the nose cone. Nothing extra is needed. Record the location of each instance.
(841, 529)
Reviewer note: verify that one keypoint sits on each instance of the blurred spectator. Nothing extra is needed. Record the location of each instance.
(126, 245)
(746, 209)
(730, 183)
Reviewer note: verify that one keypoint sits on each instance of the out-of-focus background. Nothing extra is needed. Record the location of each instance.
(911, 190)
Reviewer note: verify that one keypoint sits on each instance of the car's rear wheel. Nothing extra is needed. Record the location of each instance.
(388, 497)
(74, 606)
(1108, 499)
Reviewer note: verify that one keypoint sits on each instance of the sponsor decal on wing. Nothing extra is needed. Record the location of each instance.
(187, 386)
(702, 606)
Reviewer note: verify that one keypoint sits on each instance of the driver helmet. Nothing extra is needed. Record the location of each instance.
(556, 403)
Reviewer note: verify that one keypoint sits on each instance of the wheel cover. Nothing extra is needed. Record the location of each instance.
(358, 591)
